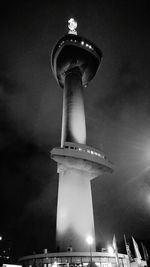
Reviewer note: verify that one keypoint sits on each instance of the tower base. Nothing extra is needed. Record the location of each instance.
(74, 211)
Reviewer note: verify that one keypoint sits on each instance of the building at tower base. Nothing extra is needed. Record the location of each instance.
(78, 259)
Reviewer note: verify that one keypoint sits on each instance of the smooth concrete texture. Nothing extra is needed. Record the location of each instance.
(74, 208)
(74, 211)
(73, 117)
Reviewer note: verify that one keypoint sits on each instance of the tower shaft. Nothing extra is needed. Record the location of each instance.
(73, 118)
(74, 211)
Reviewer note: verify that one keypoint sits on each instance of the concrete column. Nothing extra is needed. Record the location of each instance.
(74, 208)
(73, 117)
(74, 211)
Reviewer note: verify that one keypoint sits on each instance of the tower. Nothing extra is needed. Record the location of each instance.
(75, 61)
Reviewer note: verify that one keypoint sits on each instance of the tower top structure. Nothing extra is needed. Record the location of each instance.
(72, 25)
(73, 51)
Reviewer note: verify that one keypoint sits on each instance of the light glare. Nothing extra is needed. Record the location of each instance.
(89, 240)
(110, 250)
(72, 25)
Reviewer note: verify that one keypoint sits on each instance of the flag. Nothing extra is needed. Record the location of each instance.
(127, 246)
(114, 245)
(137, 252)
(145, 254)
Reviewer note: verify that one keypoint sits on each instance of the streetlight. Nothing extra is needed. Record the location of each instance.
(1, 237)
(110, 250)
(90, 240)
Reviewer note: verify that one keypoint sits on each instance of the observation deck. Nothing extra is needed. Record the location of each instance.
(82, 157)
(75, 51)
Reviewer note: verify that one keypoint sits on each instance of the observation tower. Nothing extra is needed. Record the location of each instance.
(75, 61)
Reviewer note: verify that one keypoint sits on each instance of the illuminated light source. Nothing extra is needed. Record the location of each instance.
(110, 250)
(72, 25)
(54, 264)
(89, 240)
(1, 238)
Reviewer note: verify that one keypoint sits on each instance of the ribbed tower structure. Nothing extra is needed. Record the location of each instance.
(75, 61)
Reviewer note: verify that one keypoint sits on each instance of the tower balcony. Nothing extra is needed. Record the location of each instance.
(82, 157)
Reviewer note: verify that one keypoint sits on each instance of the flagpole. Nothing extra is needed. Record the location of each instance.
(114, 244)
(137, 252)
(125, 241)
(145, 254)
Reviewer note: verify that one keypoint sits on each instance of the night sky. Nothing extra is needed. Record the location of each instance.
(117, 104)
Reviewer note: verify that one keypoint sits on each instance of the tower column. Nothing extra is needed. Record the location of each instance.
(73, 116)
(74, 210)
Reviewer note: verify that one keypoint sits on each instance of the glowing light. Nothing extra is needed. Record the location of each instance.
(89, 240)
(1, 238)
(72, 25)
(54, 264)
(110, 250)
